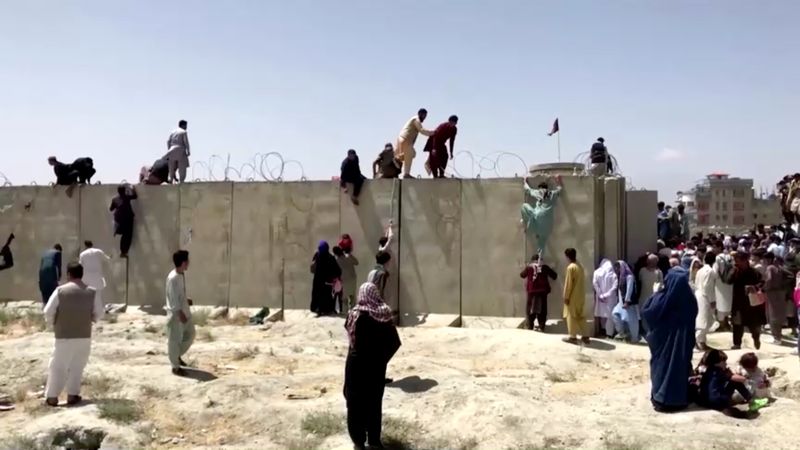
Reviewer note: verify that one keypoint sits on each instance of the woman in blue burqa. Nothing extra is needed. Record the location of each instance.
(538, 219)
(670, 315)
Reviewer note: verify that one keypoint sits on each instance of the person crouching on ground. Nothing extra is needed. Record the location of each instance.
(180, 328)
(537, 287)
(70, 310)
(373, 342)
(718, 385)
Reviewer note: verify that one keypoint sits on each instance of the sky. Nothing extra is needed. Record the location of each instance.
(678, 89)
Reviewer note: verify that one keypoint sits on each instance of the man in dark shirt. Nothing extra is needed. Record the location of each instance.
(123, 217)
(351, 173)
(436, 145)
(156, 174)
(385, 165)
(746, 280)
(598, 157)
(65, 174)
(85, 169)
(49, 272)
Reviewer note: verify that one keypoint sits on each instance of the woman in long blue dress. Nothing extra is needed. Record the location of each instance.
(670, 314)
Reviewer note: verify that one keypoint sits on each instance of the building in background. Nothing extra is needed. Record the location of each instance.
(724, 203)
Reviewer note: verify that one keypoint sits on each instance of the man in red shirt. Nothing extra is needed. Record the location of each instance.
(537, 287)
(437, 161)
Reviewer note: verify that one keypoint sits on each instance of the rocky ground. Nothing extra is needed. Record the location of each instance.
(278, 386)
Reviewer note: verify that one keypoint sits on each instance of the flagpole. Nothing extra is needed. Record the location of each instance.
(558, 139)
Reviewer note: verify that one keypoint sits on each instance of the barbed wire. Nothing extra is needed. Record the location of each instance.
(482, 164)
(269, 166)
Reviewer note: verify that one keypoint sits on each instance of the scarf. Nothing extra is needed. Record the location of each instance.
(369, 302)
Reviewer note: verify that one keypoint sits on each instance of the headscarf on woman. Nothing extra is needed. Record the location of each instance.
(670, 315)
(369, 302)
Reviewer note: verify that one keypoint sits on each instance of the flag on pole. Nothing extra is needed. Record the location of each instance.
(555, 128)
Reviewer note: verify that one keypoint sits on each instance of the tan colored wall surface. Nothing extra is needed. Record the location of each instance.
(430, 247)
(51, 218)
(257, 245)
(312, 214)
(458, 244)
(641, 208)
(493, 249)
(97, 225)
(155, 239)
(205, 216)
(378, 203)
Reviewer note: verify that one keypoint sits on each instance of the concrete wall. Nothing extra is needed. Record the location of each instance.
(641, 234)
(97, 225)
(40, 217)
(458, 245)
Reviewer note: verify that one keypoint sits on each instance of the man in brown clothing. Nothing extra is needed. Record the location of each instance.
(70, 311)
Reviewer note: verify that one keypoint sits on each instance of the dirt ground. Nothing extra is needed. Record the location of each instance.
(278, 386)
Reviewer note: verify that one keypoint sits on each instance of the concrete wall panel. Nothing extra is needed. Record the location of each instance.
(205, 228)
(97, 225)
(493, 250)
(641, 208)
(312, 214)
(258, 231)
(430, 247)
(155, 239)
(378, 204)
(39, 216)
(613, 237)
(576, 219)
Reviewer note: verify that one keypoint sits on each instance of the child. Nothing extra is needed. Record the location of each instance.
(718, 384)
(757, 381)
(347, 262)
(337, 283)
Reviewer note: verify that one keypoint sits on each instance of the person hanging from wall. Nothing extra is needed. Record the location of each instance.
(178, 151)
(49, 272)
(373, 342)
(156, 174)
(436, 146)
(404, 150)
(93, 261)
(325, 271)
(385, 165)
(351, 179)
(5, 254)
(123, 217)
(537, 287)
(538, 219)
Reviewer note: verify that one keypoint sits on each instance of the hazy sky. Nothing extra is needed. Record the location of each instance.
(678, 88)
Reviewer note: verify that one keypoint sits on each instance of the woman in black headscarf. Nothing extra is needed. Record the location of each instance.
(326, 270)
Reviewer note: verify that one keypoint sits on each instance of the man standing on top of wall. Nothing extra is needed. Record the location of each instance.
(178, 152)
(599, 159)
(404, 150)
(437, 146)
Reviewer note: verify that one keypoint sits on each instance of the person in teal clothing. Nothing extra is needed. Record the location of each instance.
(538, 219)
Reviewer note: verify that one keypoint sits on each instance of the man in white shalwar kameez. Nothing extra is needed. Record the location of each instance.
(178, 152)
(705, 292)
(70, 311)
(605, 286)
(404, 150)
(180, 328)
(93, 261)
(723, 290)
